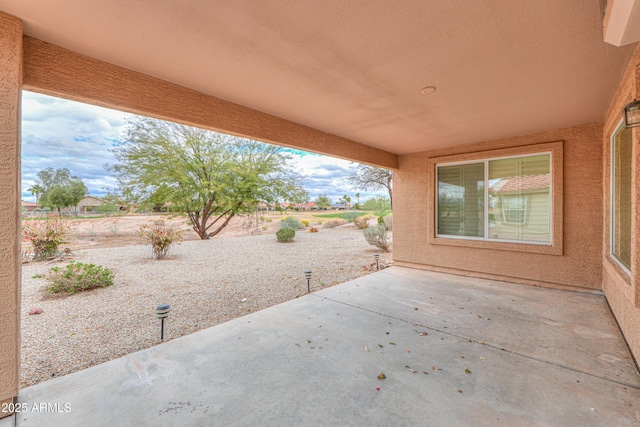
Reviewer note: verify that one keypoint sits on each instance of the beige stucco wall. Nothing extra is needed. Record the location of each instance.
(576, 259)
(10, 204)
(623, 290)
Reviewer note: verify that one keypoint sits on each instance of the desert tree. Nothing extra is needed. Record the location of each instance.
(59, 189)
(323, 202)
(210, 176)
(371, 178)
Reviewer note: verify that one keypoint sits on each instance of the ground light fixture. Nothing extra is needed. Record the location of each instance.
(162, 312)
(632, 114)
(377, 258)
(307, 275)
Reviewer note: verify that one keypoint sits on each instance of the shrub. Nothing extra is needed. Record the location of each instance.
(388, 222)
(77, 277)
(292, 223)
(285, 235)
(305, 222)
(351, 216)
(45, 235)
(362, 222)
(378, 236)
(332, 223)
(160, 235)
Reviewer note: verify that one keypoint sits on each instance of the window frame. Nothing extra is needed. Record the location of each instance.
(619, 128)
(486, 237)
(525, 199)
(552, 247)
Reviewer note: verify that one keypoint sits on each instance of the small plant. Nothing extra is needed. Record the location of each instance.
(362, 222)
(377, 236)
(37, 276)
(113, 229)
(252, 223)
(351, 216)
(388, 222)
(45, 235)
(305, 222)
(292, 223)
(332, 223)
(285, 235)
(77, 277)
(160, 235)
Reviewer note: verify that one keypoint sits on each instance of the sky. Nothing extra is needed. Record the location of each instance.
(59, 133)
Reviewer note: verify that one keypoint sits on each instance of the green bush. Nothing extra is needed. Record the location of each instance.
(292, 223)
(285, 235)
(378, 236)
(77, 277)
(305, 222)
(350, 216)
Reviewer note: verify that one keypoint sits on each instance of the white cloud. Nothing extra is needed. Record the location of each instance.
(59, 133)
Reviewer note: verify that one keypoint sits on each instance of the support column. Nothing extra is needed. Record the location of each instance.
(10, 205)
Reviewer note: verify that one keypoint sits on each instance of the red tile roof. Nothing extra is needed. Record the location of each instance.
(514, 184)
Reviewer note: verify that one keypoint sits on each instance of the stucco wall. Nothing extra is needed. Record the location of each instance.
(623, 290)
(577, 263)
(10, 76)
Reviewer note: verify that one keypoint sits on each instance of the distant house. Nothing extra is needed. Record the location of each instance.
(28, 206)
(90, 204)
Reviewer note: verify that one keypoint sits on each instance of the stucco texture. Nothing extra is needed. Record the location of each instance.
(621, 289)
(10, 86)
(576, 260)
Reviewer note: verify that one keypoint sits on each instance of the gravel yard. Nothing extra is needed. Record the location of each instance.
(205, 282)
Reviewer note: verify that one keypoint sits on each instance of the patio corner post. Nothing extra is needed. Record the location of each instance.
(10, 203)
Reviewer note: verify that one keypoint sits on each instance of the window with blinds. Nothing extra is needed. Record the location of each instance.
(501, 199)
(621, 161)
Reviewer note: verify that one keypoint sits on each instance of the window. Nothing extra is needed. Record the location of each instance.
(621, 159)
(501, 199)
(513, 209)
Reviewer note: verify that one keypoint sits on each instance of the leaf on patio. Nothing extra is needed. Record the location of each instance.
(365, 348)
(424, 334)
(392, 343)
(460, 391)
(382, 376)
(380, 345)
(467, 371)
(415, 308)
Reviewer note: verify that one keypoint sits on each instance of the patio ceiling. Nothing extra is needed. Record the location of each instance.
(356, 68)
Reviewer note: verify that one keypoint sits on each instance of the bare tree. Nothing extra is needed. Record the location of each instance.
(371, 178)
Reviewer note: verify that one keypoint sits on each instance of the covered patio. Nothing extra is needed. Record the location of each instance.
(454, 350)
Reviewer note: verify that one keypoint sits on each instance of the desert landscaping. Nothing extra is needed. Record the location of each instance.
(206, 282)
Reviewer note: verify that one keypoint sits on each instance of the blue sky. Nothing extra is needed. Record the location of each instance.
(64, 134)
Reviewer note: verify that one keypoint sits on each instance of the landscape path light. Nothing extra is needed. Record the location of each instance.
(162, 312)
(307, 275)
(377, 258)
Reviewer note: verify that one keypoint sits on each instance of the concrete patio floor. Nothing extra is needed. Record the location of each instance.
(454, 351)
